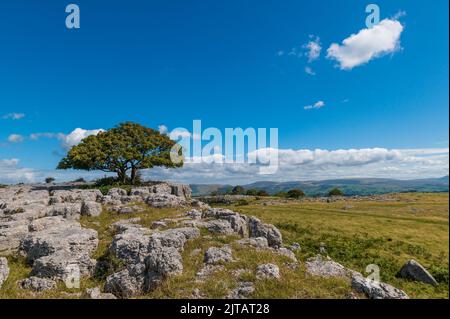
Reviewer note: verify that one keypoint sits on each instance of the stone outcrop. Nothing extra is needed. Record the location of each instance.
(268, 271)
(37, 284)
(215, 255)
(4, 270)
(414, 271)
(376, 290)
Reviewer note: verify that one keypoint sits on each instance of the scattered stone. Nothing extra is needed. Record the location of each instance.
(164, 200)
(208, 270)
(295, 246)
(325, 267)
(288, 253)
(95, 293)
(376, 290)
(158, 224)
(242, 291)
(37, 284)
(90, 208)
(219, 226)
(415, 271)
(270, 232)
(4, 270)
(216, 255)
(67, 210)
(258, 242)
(268, 271)
(126, 283)
(194, 214)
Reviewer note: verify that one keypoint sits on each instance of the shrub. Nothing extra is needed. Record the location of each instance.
(49, 180)
(335, 192)
(295, 193)
(262, 193)
(238, 190)
(252, 192)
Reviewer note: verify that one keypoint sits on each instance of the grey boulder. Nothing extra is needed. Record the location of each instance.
(415, 271)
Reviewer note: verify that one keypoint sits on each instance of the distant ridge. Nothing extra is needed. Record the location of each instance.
(352, 186)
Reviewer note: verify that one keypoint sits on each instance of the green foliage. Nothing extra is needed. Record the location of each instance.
(49, 180)
(335, 192)
(214, 193)
(281, 194)
(252, 192)
(262, 193)
(238, 190)
(79, 180)
(126, 147)
(295, 193)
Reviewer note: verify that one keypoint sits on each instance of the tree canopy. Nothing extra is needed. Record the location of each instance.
(128, 147)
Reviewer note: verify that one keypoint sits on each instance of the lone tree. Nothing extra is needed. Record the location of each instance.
(238, 190)
(335, 192)
(126, 147)
(295, 193)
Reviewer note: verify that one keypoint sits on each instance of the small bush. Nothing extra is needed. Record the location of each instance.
(252, 192)
(295, 193)
(49, 180)
(262, 193)
(335, 192)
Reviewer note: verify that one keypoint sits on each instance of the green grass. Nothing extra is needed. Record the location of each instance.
(355, 233)
(386, 233)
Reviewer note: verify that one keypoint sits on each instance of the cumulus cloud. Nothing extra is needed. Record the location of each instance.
(13, 116)
(367, 44)
(162, 129)
(313, 48)
(300, 164)
(76, 136)
(309, 70)
(315, 165)
(10, 172)
(15, 138)
(317, 105)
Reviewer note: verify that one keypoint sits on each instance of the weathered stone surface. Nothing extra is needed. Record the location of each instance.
(37, 284)
(91, 208)
(267, 271)
(164, 200)
(219, 226)
(324, 267)
(207, 271)
(258, 242)
(164, 261)
(415, 271)
(126, 283)
(270, 232)
(175, 237)
(288, 253)
(71, 237)
(4, 270)
(74, 196)
(11, 234)
(158, 224)
(95, 293)
(194, 214)
(131, 245)
(376, 290)
(242, 291)
(67, 210)
(215, 255)
(62, 265)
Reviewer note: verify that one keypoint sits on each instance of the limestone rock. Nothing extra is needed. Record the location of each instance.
(95, 293)
(37, 284)
(415, 271)
(376, 290)
(324, 267)
(258, 242)
(91, 208)
(215, 255)
(258, 229)
(4, 270)
(268, 271)
(242, 291)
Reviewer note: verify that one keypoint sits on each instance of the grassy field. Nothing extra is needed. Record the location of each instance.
(355, 233)
(386, 233)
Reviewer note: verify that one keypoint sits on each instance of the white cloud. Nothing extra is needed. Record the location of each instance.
(317, 105)
(309, 71)
(367, 44)
(75, 137)
(162, 129)
(301, 164)
(15, 138)
(37, 136)
(313, 48)
(13, 116)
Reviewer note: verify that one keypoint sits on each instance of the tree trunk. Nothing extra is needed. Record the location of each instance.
(122, 175)
(133, 175)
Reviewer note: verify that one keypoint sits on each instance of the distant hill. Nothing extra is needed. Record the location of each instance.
(354, 186)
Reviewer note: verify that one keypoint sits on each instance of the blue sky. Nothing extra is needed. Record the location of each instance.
(229, 64)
